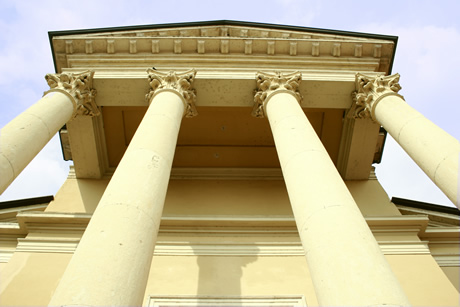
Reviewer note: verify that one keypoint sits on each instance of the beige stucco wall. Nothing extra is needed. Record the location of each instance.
(371, 198)
(78, 196)
(230, 276)
(29, 279)
(225, 197)
(453, 273)
(423, 280)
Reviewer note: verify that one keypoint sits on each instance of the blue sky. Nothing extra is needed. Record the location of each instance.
(426, 57)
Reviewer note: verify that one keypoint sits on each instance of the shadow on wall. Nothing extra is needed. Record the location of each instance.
(221, 276)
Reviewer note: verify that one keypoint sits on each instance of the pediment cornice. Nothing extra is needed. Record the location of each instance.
(226, 39)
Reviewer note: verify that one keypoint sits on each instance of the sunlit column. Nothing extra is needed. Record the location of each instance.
(433, 149)
(111, 264)
(23, 138)
(344, 259)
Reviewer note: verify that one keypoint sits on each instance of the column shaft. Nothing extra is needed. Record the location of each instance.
(434, 150)
(23, 138)
(344, 259)
(111, 264)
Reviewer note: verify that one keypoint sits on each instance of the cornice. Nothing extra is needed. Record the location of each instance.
(197, 228)
(247, 39)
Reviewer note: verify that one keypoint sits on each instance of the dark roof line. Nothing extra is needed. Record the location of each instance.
(26, 202)
(51, 34)
(425, 206)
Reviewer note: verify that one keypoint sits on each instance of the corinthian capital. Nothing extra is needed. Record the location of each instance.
(269, 84)
(78, 87)
(370, 91)
(180, 83)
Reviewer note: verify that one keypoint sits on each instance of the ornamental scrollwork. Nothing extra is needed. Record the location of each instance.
(369, 91)
(179, 82)
(268, 83)
(78, 87)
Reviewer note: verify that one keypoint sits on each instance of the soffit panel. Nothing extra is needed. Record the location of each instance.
(218, 137)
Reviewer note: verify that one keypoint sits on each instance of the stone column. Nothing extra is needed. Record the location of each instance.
(434, 150)
(23, 138)
(344, 259)
(112, 262)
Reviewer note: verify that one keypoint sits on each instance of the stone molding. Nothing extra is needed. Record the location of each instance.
(223, 248)
(370, 91)
(268, 84)
(225, 227)
(180, 83)
(78, 87)
(224, 300)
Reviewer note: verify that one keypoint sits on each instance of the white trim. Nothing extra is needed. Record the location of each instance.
(175, 248)
(447, 260)
(201, 300)
(5, 255)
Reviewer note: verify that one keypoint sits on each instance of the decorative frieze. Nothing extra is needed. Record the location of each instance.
(204, 32)
(358, 50)
(78, 87)
(293, 48)
(133, 46)
(178, 46)
(377, 51)
(369, 91)
(267, 84)
(315, 49)
(224, 46)
(69, 46)
(178, 82)
(110, 46)
(155, 46)
(336, 49)
(89, 46)
(201, 47)
(271, 47)
(308, 44)
(248, 47)
(224, 31)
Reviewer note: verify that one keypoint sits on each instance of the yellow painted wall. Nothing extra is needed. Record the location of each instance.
(423, 281)
(78, 196)
(371, 198)
(224, 197)
(453, 273)
(230, 276)
(30, 279)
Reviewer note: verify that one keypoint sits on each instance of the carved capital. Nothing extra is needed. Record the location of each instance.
(370, 91)
(270, 84)
(180, 83)
(78, 87)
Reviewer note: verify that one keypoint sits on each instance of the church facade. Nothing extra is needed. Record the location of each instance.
(226, 163)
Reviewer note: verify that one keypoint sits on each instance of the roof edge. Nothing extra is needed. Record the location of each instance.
(425, 206)
(51, 34)
(25, 202)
